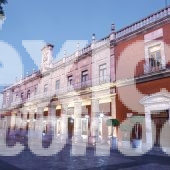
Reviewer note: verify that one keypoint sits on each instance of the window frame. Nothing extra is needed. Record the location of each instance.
(149, 44)
(102, 78)
(28, 94)
(22, 95)
(69, 80)
(57, 84)
(84, 76)
(45, 88)
(154, 61)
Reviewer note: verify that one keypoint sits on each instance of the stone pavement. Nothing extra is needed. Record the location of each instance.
(7, 166)
(26, 160)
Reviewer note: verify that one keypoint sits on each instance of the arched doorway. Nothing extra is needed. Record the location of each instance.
(159, 118)
(157, 110)
(70, 127)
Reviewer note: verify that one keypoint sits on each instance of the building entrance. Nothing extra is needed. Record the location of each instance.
(159, 118)
(70, 127)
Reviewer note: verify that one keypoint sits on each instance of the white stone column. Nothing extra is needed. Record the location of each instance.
(52, 110)
(18, 120)
(12, 124)
(13, 119)
(39, 122)
(113, 107)
(51, 122)
(24, 112)
(24, 118)
(64, 123)
(31, 119)
(95, 108)
(104, 130)
(77, 122)
(113, 112)
(40, 112)
(94, 120)
(148, 126)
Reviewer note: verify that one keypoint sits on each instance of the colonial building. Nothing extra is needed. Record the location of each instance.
(142, 55)
(78, 86)
(119, 76)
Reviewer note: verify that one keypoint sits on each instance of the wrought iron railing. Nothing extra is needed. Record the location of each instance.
(149, 68)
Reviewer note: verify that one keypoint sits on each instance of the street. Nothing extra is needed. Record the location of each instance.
(26, 160)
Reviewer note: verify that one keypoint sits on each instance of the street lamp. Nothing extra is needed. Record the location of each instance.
(2, 16)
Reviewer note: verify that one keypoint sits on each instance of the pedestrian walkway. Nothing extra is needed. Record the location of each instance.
(26, 160)
(6, 166)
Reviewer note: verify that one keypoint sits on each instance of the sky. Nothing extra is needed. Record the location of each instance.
(60, 21)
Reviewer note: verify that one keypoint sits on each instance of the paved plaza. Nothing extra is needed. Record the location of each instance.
(26, 160)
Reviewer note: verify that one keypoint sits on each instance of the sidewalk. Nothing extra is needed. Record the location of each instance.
(46, 143)
(64, 160)
(6, 166)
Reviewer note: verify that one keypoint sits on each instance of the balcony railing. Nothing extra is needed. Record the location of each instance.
(92, 82)
(83, 85)
(101, 80)
(85, 50)
(144, 22)
(150, 69)
(61, 91)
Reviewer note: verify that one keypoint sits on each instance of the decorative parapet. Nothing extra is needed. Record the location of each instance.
(85, 50)
(144, 22)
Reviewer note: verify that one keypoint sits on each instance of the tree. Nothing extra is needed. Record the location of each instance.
(113, 123)
(2, 2)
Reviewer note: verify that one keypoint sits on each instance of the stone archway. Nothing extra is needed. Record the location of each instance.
(157, 110)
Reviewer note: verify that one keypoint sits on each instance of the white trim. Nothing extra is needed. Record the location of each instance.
(162, 49)
(158, 101)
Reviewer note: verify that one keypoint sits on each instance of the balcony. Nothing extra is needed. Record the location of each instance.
(104, 79)
(39, 96)
(83, 85)
(101, 80)
(92, 82)
(153, 69)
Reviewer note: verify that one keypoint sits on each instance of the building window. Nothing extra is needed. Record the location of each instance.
(35, 116)
(45, 88)
(84, 76)
(35, 90)
(22, 96)
(57, 84)
(155, 56)
(16, 97)
(102, 73)
(7, 98)
(70, 80)
(28, 94)
(28, 116)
